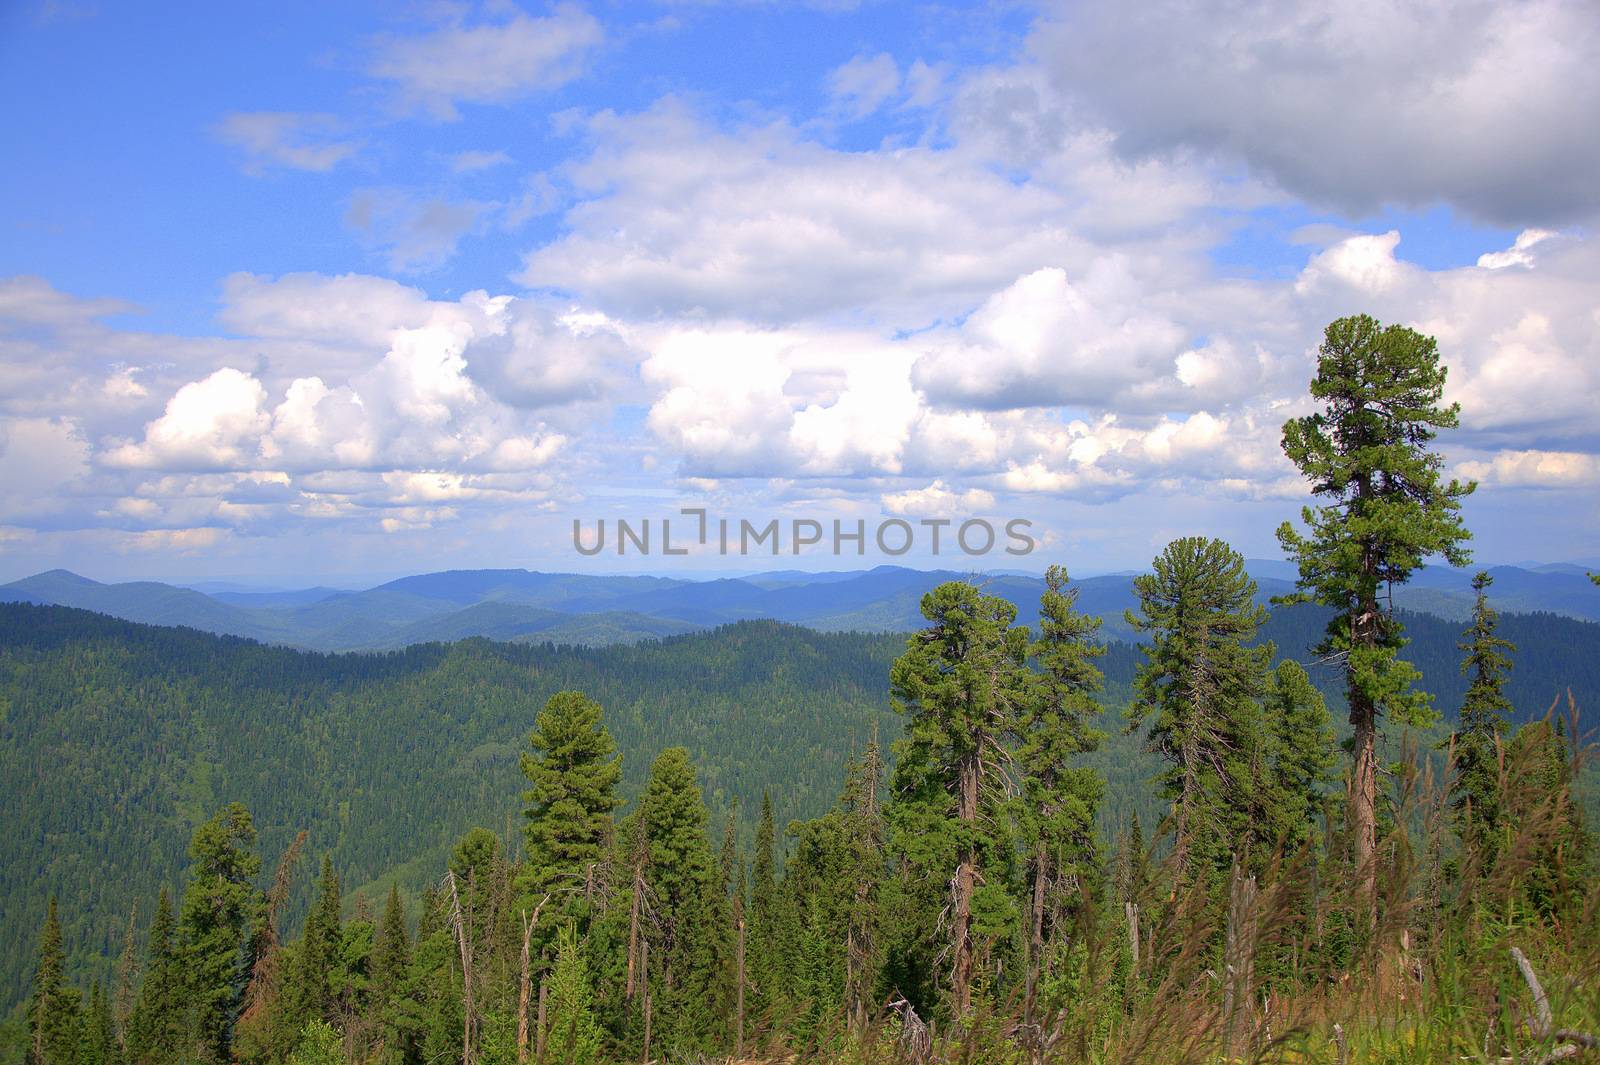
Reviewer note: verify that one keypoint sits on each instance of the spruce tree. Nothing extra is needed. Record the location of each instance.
(1477, 739)
(1385, 510)
(99, 1039)
(1199, 687)
(572, 1035)
(156, 1027)
(54, 1025)
(964, 684)
(762, 942)
(1300, 757)
(572, 769)
(1058, 801)
(310, 996)
(221, 906)
(685, 935)
(391, 954)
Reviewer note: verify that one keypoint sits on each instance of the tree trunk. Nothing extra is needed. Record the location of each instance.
(1239, 954)
(966, 883)
(738, 1008)
(644, 966)
(1364, 773)
(539, 1033)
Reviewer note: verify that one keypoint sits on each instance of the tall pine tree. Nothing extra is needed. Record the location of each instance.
(1385, 509)
(964, 684)
(1199, 687)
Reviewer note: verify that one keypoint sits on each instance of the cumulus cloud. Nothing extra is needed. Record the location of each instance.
(282, 138)
(213, 423)
(938, 500)
(487, 62)
(1535, 469)
(1479, 104)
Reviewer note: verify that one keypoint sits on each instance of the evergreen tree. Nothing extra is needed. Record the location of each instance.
(964, 684)
(156, 1027)
(310, 995)
(1058, 800)
(572, 1035)
(1300, 758)
(1477, 739)
(685, 933)
(221, 906)
(125, 994)
(391, 954)
(99, 1040)
(572, 771)
(1199, 687)
(762, 942)
(54, 1025)
(1386, 510)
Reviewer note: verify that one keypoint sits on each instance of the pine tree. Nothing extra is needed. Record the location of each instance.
(156, 1027)
(572, 771)
(1058, 801)
(1477, 739)
(1386, 510)
(221, 906)
(963, 682)
(1200, 684)
(54, 1025)
(572, 1034)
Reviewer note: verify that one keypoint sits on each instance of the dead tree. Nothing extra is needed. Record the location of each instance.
(528, 924)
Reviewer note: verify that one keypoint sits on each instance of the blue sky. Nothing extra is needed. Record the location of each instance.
(309, 291)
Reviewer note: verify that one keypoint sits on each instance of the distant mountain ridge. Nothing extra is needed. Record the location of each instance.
(526, 606)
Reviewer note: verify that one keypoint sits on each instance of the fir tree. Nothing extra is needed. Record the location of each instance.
(1058, 800)
(310, 997)
(572, 1035)
(221, 906)
(99, 1039)
(1385, 510)
(572, 771)
(1300, 758)
(963, 683)
(156, 1027)
(1198, 686)
(391, 954)
(685, 934)
(55, 1029)
(762, 942)
(1477, 739)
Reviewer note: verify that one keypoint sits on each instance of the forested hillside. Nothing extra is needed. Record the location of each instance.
(117, 739)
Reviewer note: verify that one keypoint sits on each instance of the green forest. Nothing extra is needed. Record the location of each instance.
(1328, 832)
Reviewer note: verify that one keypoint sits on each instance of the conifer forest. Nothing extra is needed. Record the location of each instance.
(1317, 829)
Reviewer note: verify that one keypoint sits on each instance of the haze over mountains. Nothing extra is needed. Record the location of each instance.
(522, 606)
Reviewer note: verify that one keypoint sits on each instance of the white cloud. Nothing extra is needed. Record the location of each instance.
(213, 423)
(1535, 469)
(1519, 254)
(471, 162)
(1480, 104)
(413, 232)
(488, 62)
(282, 138)
(864, 84)
(938, 500)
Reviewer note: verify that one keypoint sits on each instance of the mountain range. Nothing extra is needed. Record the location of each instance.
(522, 606)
